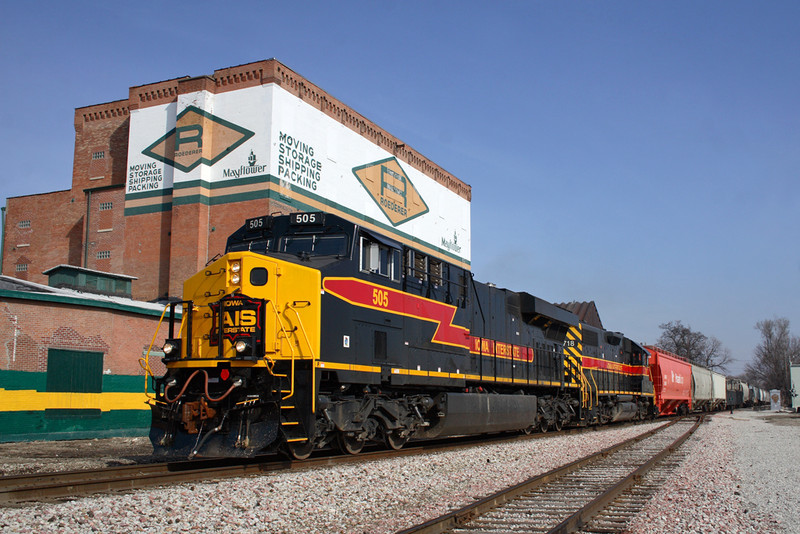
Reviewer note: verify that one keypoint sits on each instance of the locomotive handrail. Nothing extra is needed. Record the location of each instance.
(144, 362)
(308, 342)
(302, 329)
(586, 390)
(291, 349)
(596, 389)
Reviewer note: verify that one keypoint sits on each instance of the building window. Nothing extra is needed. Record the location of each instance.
(105, 206)
(24, 224)
(99, 155)
(103, 254)
(22, 267)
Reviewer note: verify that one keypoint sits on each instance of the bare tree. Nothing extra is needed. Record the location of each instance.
(778, 348)
(695, 346)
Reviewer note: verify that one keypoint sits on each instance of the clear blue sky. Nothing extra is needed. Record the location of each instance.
(644, 155)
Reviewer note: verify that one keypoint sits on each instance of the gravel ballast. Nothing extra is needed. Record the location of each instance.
(722, 487)
(741, 475)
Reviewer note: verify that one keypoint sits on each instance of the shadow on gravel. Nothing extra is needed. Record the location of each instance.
(784, 419)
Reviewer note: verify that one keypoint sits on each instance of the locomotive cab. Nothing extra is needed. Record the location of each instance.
(242, 361)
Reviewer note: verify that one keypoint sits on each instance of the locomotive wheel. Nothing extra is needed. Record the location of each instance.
(349, 444)
(544, 426)
(301, 450)
(558, 424)
(393, 439)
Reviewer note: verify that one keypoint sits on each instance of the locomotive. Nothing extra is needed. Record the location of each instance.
(312, 331)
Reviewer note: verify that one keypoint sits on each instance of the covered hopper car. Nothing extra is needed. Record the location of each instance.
(672, 381)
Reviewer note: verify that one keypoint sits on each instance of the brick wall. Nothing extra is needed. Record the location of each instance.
(42, 231)
(106, 230)
(29, 328)
(200, 232)
(101, 145)
(146, 255)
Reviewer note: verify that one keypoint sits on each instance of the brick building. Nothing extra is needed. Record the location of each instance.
(159, 181)
(158, 204)
(70, 364)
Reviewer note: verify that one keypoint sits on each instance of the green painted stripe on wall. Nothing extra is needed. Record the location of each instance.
(24, 380)
(250, 180)
(155, 193)
(298, 201)
(125, 384)
(153, 208)
(223, 199)
(30, 426)
(15, 380)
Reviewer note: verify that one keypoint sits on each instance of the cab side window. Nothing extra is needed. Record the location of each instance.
(378, 258)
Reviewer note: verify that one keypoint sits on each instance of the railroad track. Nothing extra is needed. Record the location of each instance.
(567, 499)
(71, 484)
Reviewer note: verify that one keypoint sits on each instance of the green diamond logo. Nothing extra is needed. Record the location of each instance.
(198, 137)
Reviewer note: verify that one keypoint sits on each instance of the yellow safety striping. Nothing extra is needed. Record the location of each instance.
(32, 400)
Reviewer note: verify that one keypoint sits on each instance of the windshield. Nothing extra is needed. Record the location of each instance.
(314, 245)
(261, 246)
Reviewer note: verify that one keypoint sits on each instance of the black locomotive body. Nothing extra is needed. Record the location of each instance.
(313, 331)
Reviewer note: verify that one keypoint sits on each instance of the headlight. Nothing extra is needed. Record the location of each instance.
(241, 346)
(235, 278)
(172, 349)
(236, 267)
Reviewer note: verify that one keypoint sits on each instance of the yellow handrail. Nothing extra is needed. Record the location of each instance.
(286, 335)
(310, 350)
(144, 361)
(302, 329)
(586, 389)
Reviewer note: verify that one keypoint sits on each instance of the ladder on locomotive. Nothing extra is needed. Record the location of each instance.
(293, 427)
(291, 396)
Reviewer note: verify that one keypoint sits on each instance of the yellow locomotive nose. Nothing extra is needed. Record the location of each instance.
(250, 329)
(248, 306)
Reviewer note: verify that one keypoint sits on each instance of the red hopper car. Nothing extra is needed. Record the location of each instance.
(672, 381)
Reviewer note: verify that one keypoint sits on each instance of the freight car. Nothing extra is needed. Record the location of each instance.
(312, 331)
(681, 386)
(708, 389)
(736, 389)
(672, 381)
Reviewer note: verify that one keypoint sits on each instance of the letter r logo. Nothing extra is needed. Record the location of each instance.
(183, 135)
(184, 148)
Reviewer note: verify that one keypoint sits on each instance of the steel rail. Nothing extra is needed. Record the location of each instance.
(461, 516)
(64, 484)
(71, 484)
(582, 517)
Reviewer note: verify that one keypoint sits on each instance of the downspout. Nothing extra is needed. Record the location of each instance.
(86, 224)
(16, 334)
(3, 238)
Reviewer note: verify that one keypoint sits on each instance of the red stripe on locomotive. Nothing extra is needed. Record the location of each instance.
(368, 295)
